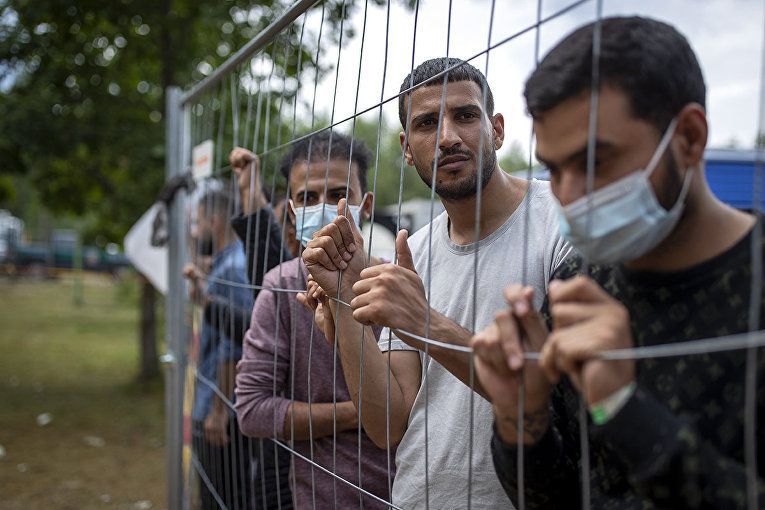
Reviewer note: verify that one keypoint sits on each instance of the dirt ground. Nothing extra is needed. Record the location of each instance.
(76, 430)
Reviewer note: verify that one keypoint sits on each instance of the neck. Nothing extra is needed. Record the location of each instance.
(707, 229)
(221, 240)
(499, 199)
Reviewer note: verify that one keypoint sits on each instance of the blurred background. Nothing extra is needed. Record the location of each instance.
(82, 158)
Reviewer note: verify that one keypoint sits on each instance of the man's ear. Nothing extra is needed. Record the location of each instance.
(367, 205)
(498, 130)
(691, 132)
(290, 209)
(406, 148)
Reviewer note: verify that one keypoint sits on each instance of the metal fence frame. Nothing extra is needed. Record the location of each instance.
(177, 162)
(178, 151)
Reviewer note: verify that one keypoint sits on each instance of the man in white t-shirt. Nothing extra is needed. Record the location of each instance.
(431, 291)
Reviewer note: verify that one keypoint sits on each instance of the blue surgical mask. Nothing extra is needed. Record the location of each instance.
(311, 219)
(623, 221)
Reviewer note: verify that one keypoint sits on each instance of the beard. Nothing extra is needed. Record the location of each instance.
(465, 187)
(671, 183)
(204, 246)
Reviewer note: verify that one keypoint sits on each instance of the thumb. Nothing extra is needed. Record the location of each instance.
(403, 253)
(530, 319)
(344, 210)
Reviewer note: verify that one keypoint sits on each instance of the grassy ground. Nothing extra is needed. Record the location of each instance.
(103, 447)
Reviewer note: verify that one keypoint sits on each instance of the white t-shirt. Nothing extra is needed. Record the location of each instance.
(501, 261)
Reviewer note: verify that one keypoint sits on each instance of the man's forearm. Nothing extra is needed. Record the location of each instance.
(456, 362)
(535, 425)
(226, 377)
(372, 395)
(318, 420)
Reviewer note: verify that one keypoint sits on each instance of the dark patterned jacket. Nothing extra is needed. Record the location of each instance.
(678, 442)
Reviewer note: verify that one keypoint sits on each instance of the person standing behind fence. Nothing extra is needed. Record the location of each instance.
(678, 265)
(259, 229)
(257, 224)
(275, 400)
(394, 295)
(221, 450)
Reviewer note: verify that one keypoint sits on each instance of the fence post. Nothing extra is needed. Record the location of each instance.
(176, 328)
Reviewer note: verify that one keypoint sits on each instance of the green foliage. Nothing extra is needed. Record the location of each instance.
(81, 104)
(516, 160)
(389, 170)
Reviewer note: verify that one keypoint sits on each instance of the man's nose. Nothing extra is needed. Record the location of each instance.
(569, 187)
(448, 136)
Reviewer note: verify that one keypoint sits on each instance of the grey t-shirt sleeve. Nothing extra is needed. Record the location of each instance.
(561, 250)
(390, 342)
(557, 249)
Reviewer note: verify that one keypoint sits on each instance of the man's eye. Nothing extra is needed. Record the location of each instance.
(305, 201)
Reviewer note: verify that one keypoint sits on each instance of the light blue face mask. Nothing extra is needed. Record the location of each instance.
(309, 220)
(625, 220)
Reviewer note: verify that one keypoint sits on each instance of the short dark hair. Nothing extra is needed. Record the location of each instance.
(341, 147)
(216, 203)
(648, 60)
(426, 72)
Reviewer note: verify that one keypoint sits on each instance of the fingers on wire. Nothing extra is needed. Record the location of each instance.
(365, 310)
(510, 339)
(487, 346)
(240, 157)
(580, 288)
(569, 314)
(341, 234)
(323, 250)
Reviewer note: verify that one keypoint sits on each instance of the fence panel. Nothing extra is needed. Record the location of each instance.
(296, 101)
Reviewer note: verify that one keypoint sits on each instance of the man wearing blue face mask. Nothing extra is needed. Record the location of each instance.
(676, 265)
(287, 384)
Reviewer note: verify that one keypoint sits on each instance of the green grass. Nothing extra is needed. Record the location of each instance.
(78, 363)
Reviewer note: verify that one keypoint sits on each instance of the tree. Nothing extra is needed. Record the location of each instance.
(83, 96)
(389, 174)
(516, 160)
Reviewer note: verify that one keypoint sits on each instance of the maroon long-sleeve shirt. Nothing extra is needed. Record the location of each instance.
(282, 329)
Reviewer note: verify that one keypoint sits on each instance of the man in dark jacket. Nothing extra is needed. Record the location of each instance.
(676, 265)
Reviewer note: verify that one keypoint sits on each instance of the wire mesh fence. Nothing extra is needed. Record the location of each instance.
(359, 367)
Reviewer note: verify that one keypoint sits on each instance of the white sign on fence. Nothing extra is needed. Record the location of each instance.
(202, 160)
(150, 261)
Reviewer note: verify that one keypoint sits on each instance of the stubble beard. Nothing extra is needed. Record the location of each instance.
(466, 187)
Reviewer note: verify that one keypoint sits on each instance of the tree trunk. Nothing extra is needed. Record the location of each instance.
(148, 332)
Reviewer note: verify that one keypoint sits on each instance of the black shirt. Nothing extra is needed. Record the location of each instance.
(678, 442)
(262, 238)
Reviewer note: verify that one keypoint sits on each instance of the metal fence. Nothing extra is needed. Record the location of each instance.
(264, 98)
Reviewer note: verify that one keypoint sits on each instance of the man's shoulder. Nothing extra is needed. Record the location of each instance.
(607, 276)
(232, 259)
(288, 274)
(420, 238)
(543, 203)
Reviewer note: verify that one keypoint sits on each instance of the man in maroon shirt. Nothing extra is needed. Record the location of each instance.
(289, 379)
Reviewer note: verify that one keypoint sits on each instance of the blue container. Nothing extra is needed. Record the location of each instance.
(731, 174)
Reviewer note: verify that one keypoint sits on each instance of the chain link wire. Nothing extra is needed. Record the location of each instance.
(209, 118)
